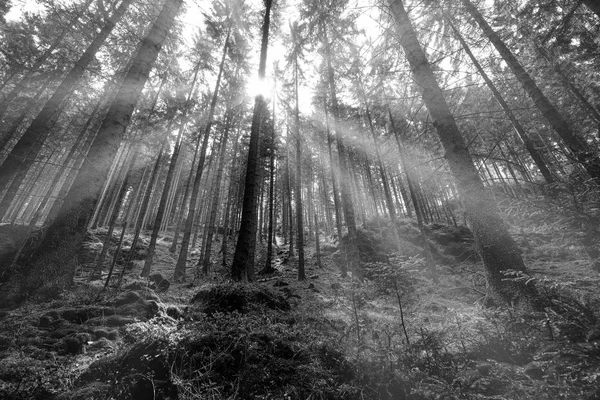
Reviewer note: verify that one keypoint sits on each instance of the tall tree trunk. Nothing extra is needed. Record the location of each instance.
(498, 251)
(583, 154)
(55, 258)
(298, 189)
(243, 259)
(268, 262)
(288, 182)
(24, 153)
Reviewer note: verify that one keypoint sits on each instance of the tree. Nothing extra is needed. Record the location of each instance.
(497, 249)
(52, 263)
(242, 268)
(298, 177)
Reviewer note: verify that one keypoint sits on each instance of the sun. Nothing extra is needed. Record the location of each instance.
(256, 86)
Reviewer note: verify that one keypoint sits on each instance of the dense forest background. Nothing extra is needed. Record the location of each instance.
(299, 199)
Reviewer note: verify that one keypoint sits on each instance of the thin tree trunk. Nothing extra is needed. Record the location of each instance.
(268, 263)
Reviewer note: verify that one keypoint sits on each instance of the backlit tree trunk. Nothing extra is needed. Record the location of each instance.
(243, 259)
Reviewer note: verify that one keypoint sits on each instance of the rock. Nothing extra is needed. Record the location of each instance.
(162, 283)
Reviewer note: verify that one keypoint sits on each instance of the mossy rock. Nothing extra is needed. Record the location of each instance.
(239, 297)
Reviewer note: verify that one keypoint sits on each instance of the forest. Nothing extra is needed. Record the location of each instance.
(300, 199)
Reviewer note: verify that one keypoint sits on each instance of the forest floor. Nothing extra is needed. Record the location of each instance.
(404, 333)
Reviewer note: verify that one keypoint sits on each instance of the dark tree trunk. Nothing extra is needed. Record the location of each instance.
(268, 263)
(243, 260)
(54, 260)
